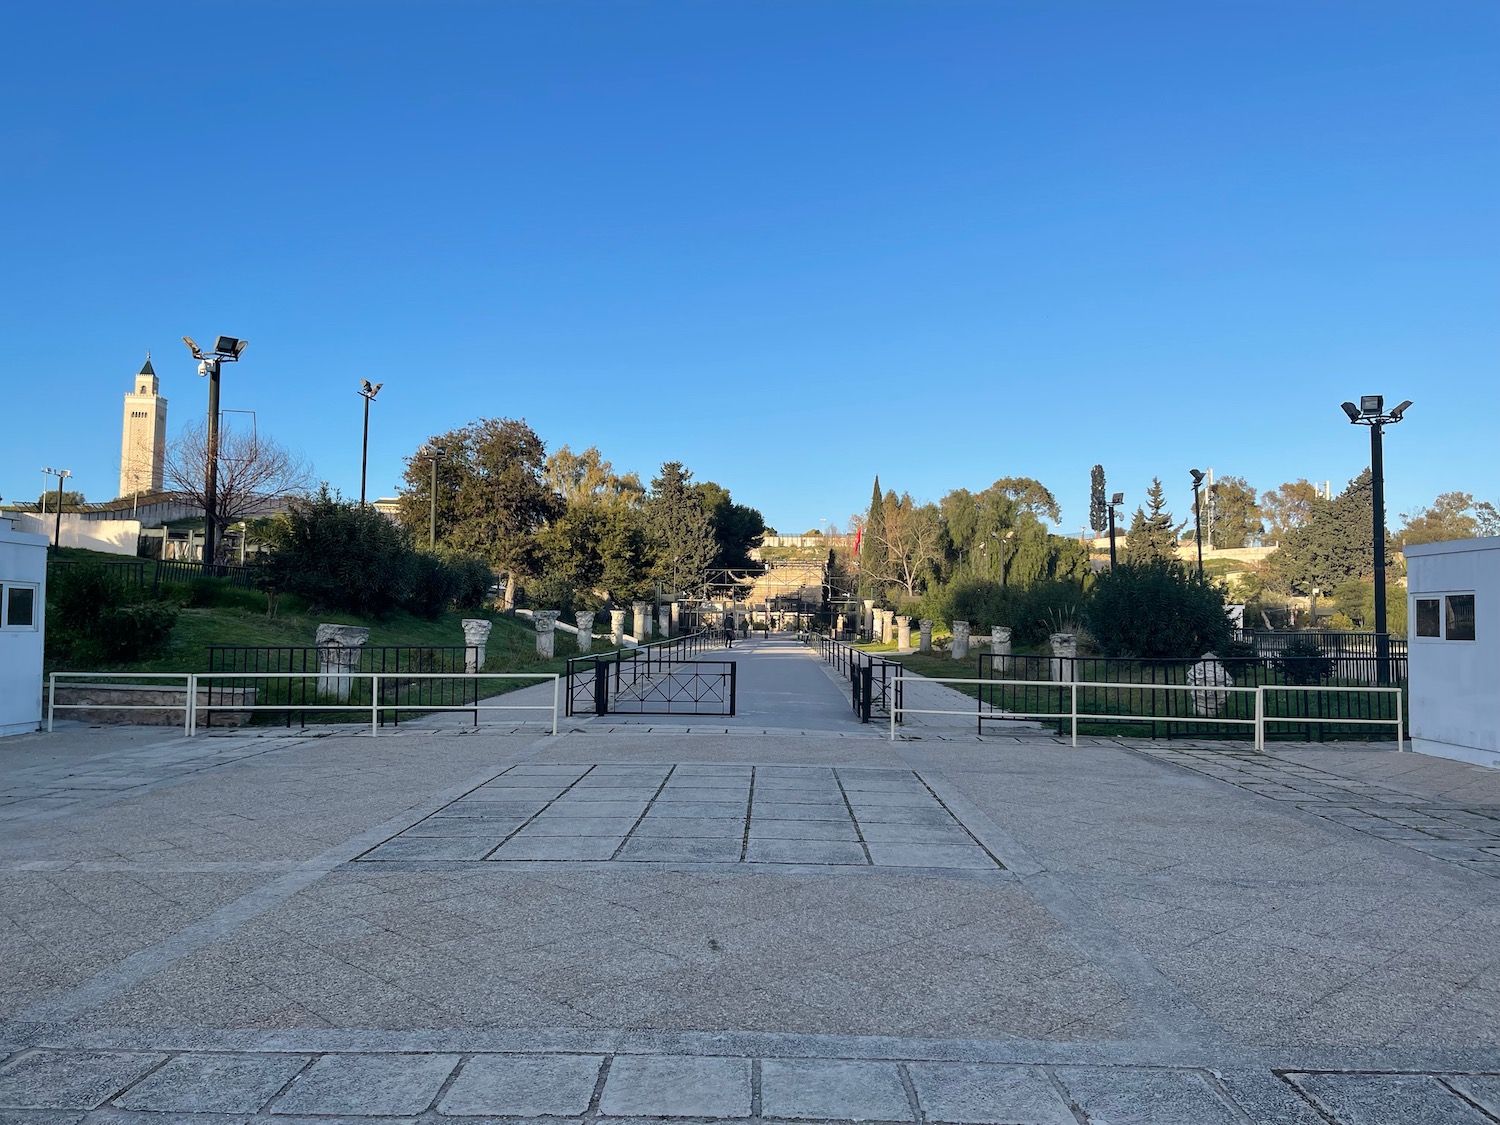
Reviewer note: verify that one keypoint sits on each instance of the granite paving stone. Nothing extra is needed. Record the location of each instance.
(368, 1085)
(70, 1079)
(686, 850)
(1388, 1099)
(213, 1083)
(1133, 1096)
(764, 829)
(803, 1089)
(434, 847)
(704, 810)
(546, 825)
(930, 855)
(805, 851)
(683, 826)
(523, 1086)
(677, 1086)
(557, 848)
(454, 826)
(979, 1094)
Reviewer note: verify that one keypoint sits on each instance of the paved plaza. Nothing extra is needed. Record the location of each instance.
(779, 917)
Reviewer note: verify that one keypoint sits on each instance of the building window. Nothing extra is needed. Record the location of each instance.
(1460, 617)
(19, 609)
(1429, 617)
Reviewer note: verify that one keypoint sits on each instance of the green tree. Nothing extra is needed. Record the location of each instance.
(1237, 517)
(737, 529)
(1152, 534)
(491, 498)
(911, 543)
(1098, 511)
(872, 556)
(71, 501)
(586, 476)
(1287, 508)
(1158, 609)
(1487, 517)
(1331, 547)
(679, 531)
(1450, 517)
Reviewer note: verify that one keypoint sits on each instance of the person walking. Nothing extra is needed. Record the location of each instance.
(728, 630)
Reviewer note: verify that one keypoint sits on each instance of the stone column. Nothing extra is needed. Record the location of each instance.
(960, 640)
(887, 626)
(1064, 651)
(924, 635)
(585, 619)
(867, 618)
(641, 621)
(843, 623)
(546, 631)
(1000, 649)
(676, 625)
(476, 636)
(664, 621)
(617, 627)
(338, 657)
(1209, 672)
(903, 634)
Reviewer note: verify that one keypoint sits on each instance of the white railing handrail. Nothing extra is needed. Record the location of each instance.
(191, 682)
(1259, 691)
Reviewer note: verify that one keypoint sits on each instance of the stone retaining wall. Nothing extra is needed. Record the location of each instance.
(164, 703)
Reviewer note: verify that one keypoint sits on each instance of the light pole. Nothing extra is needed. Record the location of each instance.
(226, 349)
(1197, 526)
(1371, 412)
(433, 454)
(1114, 502)
(61, 475)
(367, 393)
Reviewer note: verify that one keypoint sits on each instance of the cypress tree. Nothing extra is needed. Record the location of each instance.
(1098, 513)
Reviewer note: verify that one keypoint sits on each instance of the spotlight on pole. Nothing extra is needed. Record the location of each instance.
(227, 349)
(1370, 412)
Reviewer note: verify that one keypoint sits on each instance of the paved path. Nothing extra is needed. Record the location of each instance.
(781, 918)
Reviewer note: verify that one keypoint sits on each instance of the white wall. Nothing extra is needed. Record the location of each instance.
(118, 537)
(23, 562)
(1455, 684)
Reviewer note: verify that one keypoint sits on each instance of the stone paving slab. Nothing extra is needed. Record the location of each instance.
(368, 1085)
(805, 816)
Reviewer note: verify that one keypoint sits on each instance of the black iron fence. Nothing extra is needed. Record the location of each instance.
(326, 675)
(1333, 643)
(656, 678)
(157, 573)
(1144, 697)
(874, 682)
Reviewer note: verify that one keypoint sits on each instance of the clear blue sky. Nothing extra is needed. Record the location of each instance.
(790, 244)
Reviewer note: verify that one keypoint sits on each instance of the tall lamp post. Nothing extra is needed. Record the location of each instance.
(1197, 526)
(1371, 412)
(367, 393)
(434, 454)
(1114, 502)
(61, 475)
(226, 349)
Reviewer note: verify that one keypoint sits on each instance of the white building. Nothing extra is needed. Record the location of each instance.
(1453, 611)
(143, 441)
(23, 592)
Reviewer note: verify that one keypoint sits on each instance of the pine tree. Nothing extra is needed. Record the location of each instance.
(1098, 513)
(872, 550)
(1152, 533)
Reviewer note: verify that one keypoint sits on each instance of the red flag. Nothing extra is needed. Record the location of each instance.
(858, 535)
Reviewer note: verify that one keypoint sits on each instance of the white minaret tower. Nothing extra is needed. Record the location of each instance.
(144, 442)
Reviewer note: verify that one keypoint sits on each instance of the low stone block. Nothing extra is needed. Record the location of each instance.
(523, 1086)
(833, 1090)
(368, 1085)
(979, 1094)
(677, 1086)
(70, 1079)
(214, 1083)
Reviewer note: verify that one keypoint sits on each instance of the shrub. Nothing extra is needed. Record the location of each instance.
(473, 580)
(431, 585)
(1303, 662)
(1157, 609)
(552, 592)
(95, 618)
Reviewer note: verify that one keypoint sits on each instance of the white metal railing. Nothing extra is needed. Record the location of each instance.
(99, 679)
(1074, 715)
(193, 683)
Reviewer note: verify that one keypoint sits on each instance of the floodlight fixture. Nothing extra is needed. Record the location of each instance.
(1197, 477)
(192, 347)
(229, 346)
(368, 393)
(1353, 412)
(1397, 413)
(1371, 405)
(226, 349)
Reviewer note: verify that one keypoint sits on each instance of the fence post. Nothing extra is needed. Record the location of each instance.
(734, 668)
(1073, 691)
(894, 708)
(556, 688)
(1400, 723)
(601, 687)
(375, 703)
(866, 691)
(1260, 718)
(192, 700)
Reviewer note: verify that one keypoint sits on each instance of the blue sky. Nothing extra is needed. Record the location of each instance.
(790, 244)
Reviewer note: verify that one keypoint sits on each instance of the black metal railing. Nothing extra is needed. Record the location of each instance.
(874, 682)
(157, 573)
(1144, 697)
(1333, 643)
(593, 681)
(319, 676)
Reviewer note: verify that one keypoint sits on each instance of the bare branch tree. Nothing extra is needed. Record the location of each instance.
(256, 473)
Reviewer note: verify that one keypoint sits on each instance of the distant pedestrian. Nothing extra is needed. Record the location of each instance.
(728, 632)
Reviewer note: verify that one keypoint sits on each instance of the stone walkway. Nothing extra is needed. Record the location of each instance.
(646, 921)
